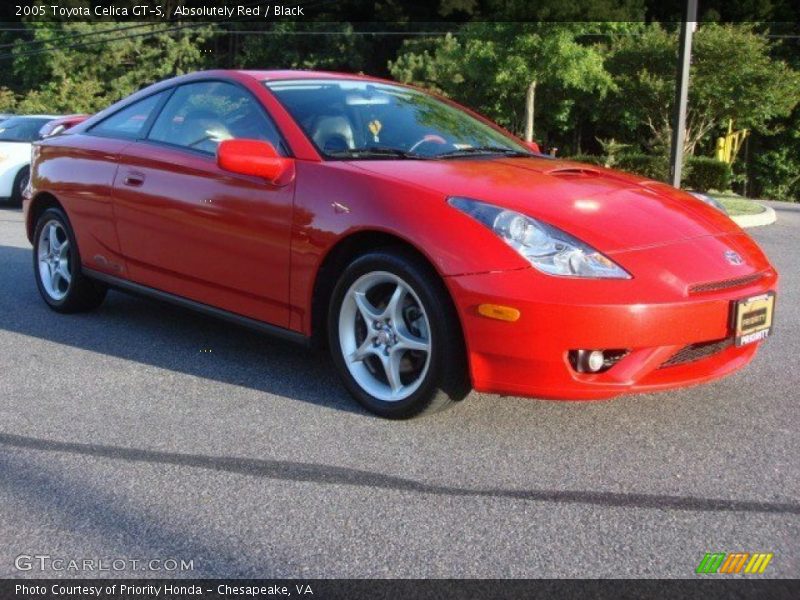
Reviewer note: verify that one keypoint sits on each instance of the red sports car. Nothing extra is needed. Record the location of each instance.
(431, 250)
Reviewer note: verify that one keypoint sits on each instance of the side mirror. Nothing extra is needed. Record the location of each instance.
(56, 130)
(257, 158)
(533, 146)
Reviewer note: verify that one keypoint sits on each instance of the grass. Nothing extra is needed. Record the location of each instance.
(737, 205)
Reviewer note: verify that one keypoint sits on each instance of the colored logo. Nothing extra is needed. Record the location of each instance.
(734, 562)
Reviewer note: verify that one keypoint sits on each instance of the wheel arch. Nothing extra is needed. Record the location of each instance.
(342, 253)
(40, 203)
(21, 169)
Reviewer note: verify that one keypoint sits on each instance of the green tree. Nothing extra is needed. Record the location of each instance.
(7, 100)
(291, 45)
(774, 169)
(558, 11)
(733, 76)
(489, 66)
(63, 73)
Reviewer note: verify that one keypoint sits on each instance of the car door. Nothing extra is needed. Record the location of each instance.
(188, 227)
(79, 170)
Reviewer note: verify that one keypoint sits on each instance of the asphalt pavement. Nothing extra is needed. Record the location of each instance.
(144, 432)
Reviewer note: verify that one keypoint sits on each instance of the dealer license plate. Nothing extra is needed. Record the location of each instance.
(753, 318)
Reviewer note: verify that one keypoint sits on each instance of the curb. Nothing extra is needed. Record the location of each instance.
(765, 217)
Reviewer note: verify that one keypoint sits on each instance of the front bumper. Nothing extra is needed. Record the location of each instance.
(663, 330)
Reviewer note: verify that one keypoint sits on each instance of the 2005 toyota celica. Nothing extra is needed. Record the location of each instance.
(429, 249)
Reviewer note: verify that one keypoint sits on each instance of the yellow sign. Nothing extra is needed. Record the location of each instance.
(728, 146)
(375, 128)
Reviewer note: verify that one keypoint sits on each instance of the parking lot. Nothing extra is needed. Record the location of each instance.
(141, 431)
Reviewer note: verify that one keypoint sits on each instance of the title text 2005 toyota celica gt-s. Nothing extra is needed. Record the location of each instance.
(429, 249)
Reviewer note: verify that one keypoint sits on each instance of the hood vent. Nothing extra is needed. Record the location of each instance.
(574, 172)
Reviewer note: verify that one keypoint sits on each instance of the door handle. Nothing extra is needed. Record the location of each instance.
(134, 179)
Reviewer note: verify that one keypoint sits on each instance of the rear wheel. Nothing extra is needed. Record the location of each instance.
(394, 336)
(56, 265)
(20, 183)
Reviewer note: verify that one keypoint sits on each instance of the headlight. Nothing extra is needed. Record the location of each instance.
(547, 248)
(710, 201)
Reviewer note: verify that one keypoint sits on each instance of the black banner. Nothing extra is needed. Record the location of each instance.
(442, 589)
(368, 11)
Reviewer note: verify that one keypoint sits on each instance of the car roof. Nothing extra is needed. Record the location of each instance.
(69, 117)
(36, 116)
(256, 75)
(284, 74)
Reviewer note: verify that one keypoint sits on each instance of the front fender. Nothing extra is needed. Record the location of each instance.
(334, 200)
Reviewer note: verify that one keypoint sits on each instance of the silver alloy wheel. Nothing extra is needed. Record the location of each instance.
(54, 254)
(384, 335)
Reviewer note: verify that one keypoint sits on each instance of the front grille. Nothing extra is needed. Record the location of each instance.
(695, 352)
(713, 286)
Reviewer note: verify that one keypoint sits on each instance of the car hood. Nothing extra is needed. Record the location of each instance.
(609, 210)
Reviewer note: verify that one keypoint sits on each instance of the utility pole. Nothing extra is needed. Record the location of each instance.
(682, 92)
(529, 102)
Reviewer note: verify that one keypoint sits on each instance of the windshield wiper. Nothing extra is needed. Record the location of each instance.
(376, 152)
(472, 150)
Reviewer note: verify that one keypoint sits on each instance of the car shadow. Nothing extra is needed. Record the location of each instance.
(334, 475)
(96, 514)
(168, 337)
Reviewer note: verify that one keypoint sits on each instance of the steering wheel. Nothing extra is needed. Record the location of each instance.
(428, 139)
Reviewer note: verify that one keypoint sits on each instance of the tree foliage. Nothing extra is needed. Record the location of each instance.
(290, 45)
(603, 75)
(617, 81)
(489, 66)
(733, 76)
(83, 67)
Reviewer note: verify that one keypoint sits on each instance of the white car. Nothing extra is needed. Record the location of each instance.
(17, 133)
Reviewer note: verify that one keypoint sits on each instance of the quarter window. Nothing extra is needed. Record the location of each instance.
(128, 122)
(201, 115)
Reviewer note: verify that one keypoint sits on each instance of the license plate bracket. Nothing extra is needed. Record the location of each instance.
(752, 318)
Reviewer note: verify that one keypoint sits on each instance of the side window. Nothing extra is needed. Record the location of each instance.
(201, 115)
(130, 121)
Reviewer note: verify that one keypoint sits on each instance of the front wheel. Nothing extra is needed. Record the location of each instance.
(56, 266)
(394, 336)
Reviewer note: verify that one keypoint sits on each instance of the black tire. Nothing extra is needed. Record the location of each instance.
(446, 379)
(20, 183)
(80, 293)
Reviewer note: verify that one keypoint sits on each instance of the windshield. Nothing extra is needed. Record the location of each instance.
(21, 129)
(362, 119)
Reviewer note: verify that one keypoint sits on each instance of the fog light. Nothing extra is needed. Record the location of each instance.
(595, 360)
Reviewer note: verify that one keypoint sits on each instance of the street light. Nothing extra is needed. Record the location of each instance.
(682, 92)
(529, 101)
